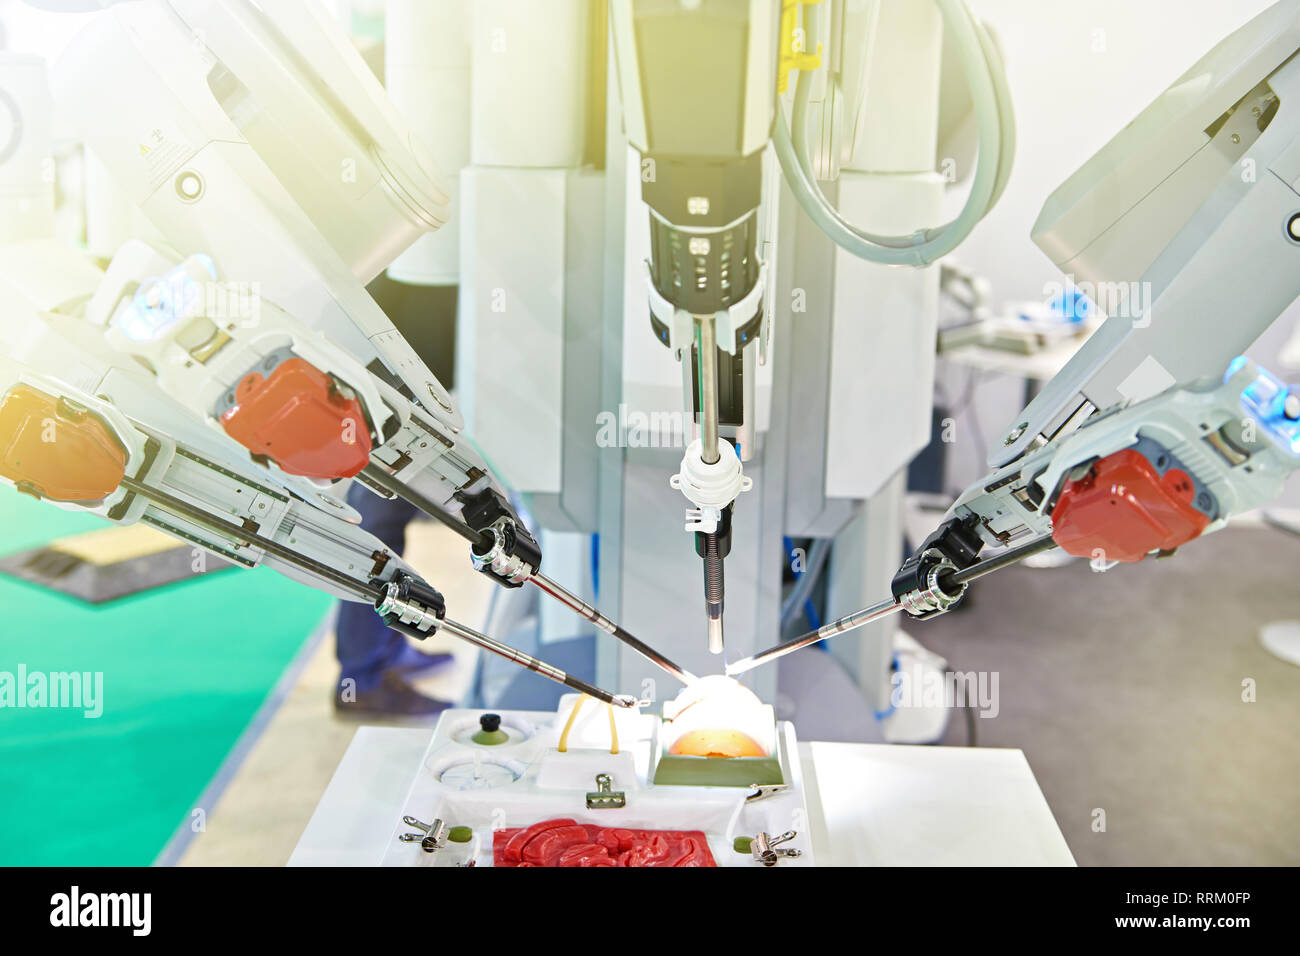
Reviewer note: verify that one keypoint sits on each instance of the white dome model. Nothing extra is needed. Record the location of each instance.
(716, 716)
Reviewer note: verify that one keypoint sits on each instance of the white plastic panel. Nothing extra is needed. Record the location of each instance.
(510, 356)
(902, 132)
(528, 86)
(426, 72)
(1110, 220)
(882, 360)
(112, 216)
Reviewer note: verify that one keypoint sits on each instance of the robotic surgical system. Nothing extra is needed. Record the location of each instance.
(697, 246)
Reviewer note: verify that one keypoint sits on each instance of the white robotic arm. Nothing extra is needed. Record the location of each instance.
(1182, 229)
(283, 161)
(284, 165)
(1187, 228)
(84, 427)
(286, 180)
(308, 413)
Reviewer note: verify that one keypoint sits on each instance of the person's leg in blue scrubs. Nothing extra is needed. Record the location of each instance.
(375, 663)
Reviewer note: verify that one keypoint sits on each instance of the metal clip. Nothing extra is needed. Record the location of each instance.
(432, 836)
(760, 791)
(766, 850)
(605, 797)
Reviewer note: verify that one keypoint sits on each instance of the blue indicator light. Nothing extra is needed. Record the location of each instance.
(161, 303)
(1266, 399)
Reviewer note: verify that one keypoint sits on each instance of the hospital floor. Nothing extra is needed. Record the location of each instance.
(1129, 692)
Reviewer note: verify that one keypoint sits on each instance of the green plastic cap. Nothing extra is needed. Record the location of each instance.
(490, 733)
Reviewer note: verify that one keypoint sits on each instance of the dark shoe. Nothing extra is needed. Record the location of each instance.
(391, 697)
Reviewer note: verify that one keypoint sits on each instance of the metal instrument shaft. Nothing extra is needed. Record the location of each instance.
(365, 590)
(890, 606)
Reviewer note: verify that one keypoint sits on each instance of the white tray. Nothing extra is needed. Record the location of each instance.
(722, 813)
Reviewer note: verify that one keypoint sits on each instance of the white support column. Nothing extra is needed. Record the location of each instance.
(884, 326)
(427, 74)
(527, 116)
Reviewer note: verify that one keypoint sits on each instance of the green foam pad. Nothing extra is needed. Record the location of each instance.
(680, 770)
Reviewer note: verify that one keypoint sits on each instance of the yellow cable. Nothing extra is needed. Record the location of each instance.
(613, 730)
(568, 725)
(563, 746)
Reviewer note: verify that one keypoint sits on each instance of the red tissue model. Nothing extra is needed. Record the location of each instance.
(566, 843)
